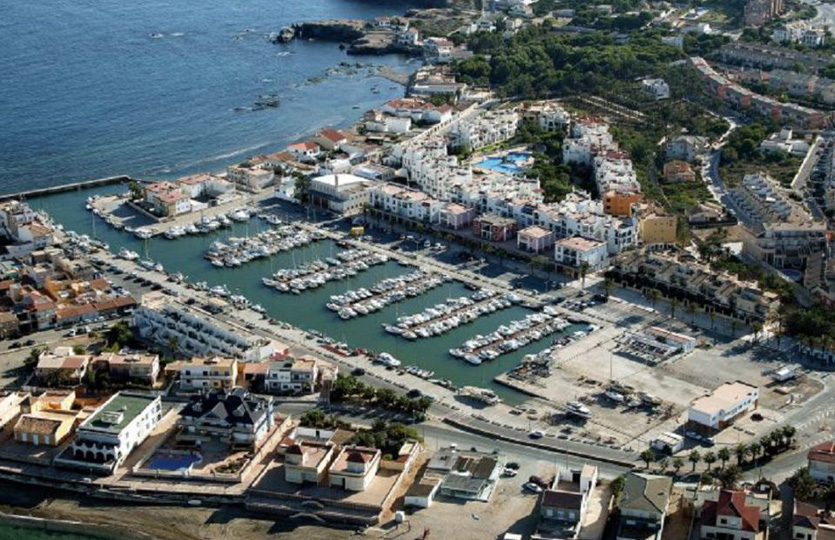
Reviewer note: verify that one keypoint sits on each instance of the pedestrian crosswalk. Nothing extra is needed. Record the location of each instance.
(815, 419)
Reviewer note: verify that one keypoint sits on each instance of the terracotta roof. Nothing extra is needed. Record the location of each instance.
(824, 452)
(40, 426)
(732, 504)
(332, 135)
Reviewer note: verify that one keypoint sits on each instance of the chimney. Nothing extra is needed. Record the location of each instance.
(336, 181)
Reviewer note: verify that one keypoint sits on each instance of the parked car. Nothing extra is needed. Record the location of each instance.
(509, 473)
(512, 465)
(539, 481)
(536, 434)
(358, 372)
(530, 486)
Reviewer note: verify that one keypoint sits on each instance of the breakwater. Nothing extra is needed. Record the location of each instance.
(74, 186)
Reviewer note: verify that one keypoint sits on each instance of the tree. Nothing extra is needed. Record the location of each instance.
(654, 296)
(678, 463)
(709, 458)
(647, 456)
(173, 344)
(705, 479)
(740, 451)
(137, 192)
(729, 476)
(802, 484)
(584, 269)
(79, 349)
(301, 186)
(608, 286)
(694, 458)
(120, 334)
(754, 450)
(663, 463)
(789, 432)
(724, 455)
(673, 306)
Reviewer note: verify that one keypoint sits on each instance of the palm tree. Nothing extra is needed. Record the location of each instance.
(584, 269)
(741, 451)
(608, 285)
(647, 456)
(678, 463)
(654, 296)
(673, 306)
(724, 455)
(754, 450)
(789, 432)
(694, 458)
(709, 458)
(712, 316)
(730, 476)
(663, 463)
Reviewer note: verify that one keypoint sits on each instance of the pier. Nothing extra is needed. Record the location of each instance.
(508, 338)
(444, 317)
(386, 292)
(348, 263)
(240, 251)
(75, 186)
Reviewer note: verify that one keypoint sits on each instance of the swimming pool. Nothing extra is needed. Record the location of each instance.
(512, 163)
(173, 462)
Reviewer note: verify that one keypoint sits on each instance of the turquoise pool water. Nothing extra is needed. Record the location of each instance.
(512, 163)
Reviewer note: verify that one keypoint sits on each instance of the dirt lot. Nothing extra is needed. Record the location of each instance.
(584, 368)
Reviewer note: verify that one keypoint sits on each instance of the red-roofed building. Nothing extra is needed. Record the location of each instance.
(306, 151)
(822, 462)
(812, 523)
(330, 139)
(729, 518)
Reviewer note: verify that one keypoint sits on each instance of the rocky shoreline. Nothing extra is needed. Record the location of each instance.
(354, 35)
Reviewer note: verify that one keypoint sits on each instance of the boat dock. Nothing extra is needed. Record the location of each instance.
(508, 338)
(347, 264)
(386, 292)
(455, 312)
(238, 251)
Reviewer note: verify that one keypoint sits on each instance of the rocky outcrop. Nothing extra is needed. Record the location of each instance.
(343, 30)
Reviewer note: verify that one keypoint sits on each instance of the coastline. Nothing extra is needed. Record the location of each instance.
(80, 528)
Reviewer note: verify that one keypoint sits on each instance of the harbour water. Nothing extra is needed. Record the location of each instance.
(94, 88)
(308, 310)
(14, 533)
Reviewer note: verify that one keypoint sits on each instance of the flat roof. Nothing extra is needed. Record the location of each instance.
(124, 408)
(724, 397)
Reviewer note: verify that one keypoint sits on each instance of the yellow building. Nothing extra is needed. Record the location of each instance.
(44, 428)
(656, 228)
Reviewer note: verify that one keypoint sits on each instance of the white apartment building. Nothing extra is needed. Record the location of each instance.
(292, 375)
(205, 373)
(582, 149)
(480, 130)
(250, 178)
(406, 203)
(715, 412)
(166, 322)
(106, 437)
(577, 251)
(613, 171)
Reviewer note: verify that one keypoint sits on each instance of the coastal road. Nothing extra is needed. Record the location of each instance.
(437, 435)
